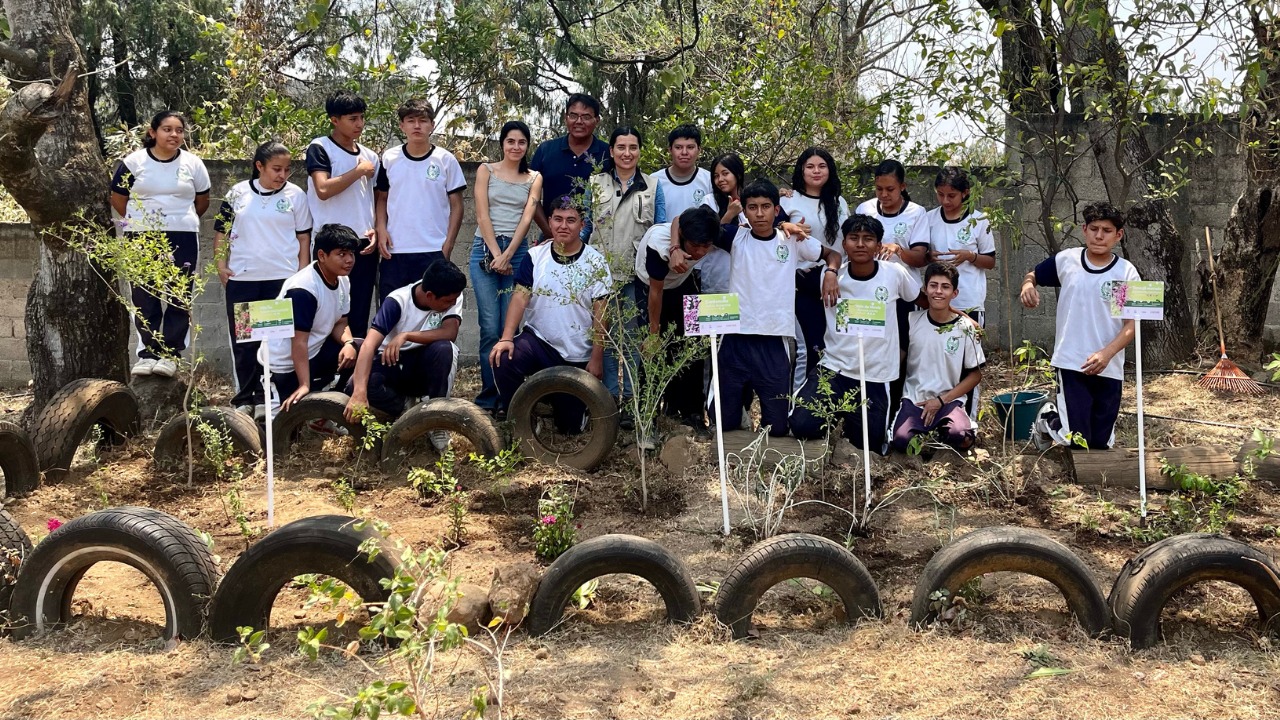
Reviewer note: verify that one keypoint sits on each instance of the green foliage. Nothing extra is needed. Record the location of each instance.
(1032, 363)
(344, 494)
(585, 593)
(1198, 503)
(554, 531)
(501, 466)
(252, 645)
(827, 407)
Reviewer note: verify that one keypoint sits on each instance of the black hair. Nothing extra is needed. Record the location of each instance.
(336, 236)
(443, 278)
(1094, 212)
(517, 125)
(416, 106)
(953, 177)
(582, 99)
(149, 141)
(828, 195)
(699, 225)
(733, 164)
(944, 269)
(862, 223)
(568, 201)
(894, 168)
(760, 187)
(625, 130)
(265, 152)
(688, 131)
(343, 102)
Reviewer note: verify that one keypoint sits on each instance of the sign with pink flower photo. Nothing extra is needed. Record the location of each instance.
(263, 320)
(1137, 300)
(712, 314)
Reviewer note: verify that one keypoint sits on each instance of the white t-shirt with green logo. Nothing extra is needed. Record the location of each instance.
(971, 232)
(888, 284)
(1084, 322)
(938, 354)
(763, 274)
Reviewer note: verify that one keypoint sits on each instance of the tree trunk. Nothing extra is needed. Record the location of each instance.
(51, 164)
(126, 88)
(1249, 253)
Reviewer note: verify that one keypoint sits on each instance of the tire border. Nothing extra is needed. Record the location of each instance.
(453, 414)
(581, 384)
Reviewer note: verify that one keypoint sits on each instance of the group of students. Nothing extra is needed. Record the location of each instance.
(577, 225)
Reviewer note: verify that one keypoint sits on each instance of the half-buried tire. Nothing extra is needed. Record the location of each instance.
(317, 406)
(17, 460)
(1012, 549)
(65, 421)
(449, 414)
(15, 546)
(607, 555)
(324, 544)
(171, 444)
(796, 555)
(158, 545)
(1147, 582)
(602, 413)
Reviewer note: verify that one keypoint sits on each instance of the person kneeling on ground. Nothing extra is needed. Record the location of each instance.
(560, 294)
(863, 277)
(944, 365)
(321, 345)
(410, 350)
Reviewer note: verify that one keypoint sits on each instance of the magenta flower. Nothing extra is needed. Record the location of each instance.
(54, 524)
(548, 519)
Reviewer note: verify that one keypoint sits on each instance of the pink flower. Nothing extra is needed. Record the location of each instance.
(54, 524)
(548, 519)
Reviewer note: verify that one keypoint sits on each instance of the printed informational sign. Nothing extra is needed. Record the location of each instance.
(263, 320)
(711, 314)
(860, 317)
(1137, 300)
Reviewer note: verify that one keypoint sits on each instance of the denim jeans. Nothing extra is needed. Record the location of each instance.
(493, 295)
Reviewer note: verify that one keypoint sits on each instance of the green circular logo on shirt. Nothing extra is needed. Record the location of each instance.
(900, 231)
(698, 196)
(965, 236)
(433, 172)
(284, 206)
(882, 293)
(783, 252)
(953, 344)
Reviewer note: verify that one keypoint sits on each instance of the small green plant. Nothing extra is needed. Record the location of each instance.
(344, 494)
(501, 466)
(456, 507)
(828, 408)
(432, 485)
(1198, 503)
(1032, 363)
(554, 531)
(252, 645)
(585, 593)
(948, 608)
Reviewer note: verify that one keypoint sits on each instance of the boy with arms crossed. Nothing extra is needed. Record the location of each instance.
(1088, 346)
(944, 364)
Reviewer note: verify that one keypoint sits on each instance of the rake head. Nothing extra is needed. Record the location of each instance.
(1227, 377)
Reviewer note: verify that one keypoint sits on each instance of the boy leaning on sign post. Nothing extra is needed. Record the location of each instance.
(1088, 347)
(863, 277)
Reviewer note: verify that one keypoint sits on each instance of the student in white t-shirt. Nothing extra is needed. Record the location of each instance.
(410, 351)
(863, 277)
(1088, 346)
(815, 201)
(944, 364)
(418, 200)
(558, 309)
(906, 225)
(340, 190)
(684, 184)
(262, 236)
(321, 345)
(961, 235)
(162, 188)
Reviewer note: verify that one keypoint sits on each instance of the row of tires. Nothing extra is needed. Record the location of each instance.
(178, 562)
(66, 420)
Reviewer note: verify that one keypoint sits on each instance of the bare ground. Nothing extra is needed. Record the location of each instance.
(616, 660)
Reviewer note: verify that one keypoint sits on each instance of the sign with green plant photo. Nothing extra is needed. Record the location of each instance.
(263, 320)
(860, 317)
(1137, 300)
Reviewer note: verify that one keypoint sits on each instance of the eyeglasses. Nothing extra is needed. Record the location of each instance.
(580, 117)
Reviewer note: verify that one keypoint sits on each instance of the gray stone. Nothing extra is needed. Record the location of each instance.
(512, 590)
(159, 398)
(678, 453)
(470, 605)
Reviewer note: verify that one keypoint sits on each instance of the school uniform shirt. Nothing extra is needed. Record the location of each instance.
(655, 252)
(418, 190)
(261, 228)
(352, 207)
(938, 354)
(401, 313)
(971, 232)
(888, 284)
(807, 209)
(162, 193)
(1084, 322)
(681, 196)
(762, 271)
(317, 308)
(563, 291)
(909, 227)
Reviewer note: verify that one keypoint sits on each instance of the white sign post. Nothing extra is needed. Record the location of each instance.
(714, 315)
(864, 318)
(1137, 301)
(259, 322)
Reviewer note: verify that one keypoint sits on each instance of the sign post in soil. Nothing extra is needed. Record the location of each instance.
(863, 318)
(714, 315)
(258, 322)
(1139, 300)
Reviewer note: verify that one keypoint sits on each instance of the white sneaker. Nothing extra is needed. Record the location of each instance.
(165, 367)
(145, 366)
(440, 439)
